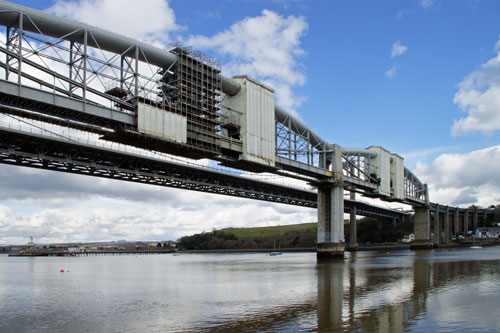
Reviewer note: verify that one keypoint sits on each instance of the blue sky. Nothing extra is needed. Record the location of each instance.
(349, 98)
(419, 77)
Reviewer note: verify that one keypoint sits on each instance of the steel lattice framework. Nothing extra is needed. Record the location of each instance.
(38, 151)
(70, 74)
(301, 150)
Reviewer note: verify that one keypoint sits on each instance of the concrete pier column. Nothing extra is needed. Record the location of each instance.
(330, 241)
(456, 223)
(353, 235)
(422, 229)
(446, 226)
(466, 222)
(437, 227)
(474, 222)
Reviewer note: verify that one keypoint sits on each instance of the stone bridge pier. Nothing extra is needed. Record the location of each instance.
(422, 229)
(422, 225)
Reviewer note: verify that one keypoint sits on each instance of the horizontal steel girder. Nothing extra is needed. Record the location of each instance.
(37, 151)
(31, 150)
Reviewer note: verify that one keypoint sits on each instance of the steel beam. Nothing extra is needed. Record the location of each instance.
(42, 152)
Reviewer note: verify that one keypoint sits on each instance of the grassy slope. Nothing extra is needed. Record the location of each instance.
(268, 231)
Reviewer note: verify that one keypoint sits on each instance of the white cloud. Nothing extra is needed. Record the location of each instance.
(105, 219)
(286, 4)
(265, 47)
(402, 13)
(398, 49)
(393, 71)
(146, 20)
(463, 179)
(427, 154)
(426, 3)
(479, 96)
(81, 208)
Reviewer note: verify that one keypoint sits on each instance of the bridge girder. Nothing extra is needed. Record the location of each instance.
(50, 153)
(92, 56)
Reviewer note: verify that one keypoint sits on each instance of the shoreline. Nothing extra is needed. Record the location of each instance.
(371, 247)
(363, 247)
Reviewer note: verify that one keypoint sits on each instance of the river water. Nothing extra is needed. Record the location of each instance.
(438, 290)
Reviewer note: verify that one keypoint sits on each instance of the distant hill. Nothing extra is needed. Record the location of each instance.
(293, 236)
(268, 231)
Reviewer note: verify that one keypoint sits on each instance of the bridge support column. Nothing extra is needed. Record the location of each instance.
(437, 227)
(353, 237)
(422, 229)
(466, 222)
(474, 223)
(456, 219)
(446, 226)
(330, 242)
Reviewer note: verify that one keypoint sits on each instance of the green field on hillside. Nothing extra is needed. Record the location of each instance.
(294, 236)
(268, 231)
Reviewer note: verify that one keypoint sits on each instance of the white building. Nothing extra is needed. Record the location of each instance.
(488, 232)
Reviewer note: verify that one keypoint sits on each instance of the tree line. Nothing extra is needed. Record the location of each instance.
(368, 231)
(220, 240)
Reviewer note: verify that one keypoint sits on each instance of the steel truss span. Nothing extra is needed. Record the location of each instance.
(36, 151)
(67, 73)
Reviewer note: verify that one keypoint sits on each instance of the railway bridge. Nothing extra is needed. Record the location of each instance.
(175, 101)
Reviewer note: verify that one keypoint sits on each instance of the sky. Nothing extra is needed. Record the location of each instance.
(419, 77)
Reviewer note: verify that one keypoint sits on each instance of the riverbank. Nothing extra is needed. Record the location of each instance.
(64, 253)
(362, 247)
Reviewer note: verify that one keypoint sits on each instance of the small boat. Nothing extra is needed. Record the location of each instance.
(474, 246)
(275, 253)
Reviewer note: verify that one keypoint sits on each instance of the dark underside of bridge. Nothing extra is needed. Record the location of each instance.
(51, 153)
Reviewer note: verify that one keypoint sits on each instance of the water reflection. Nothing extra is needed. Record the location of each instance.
(395, 292)
(391, 293)
(387, 292)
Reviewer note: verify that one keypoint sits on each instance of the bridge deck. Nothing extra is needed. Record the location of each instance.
(43, 152)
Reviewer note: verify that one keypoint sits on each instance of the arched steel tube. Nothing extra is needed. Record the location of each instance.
(282, 116)
(358, 151)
